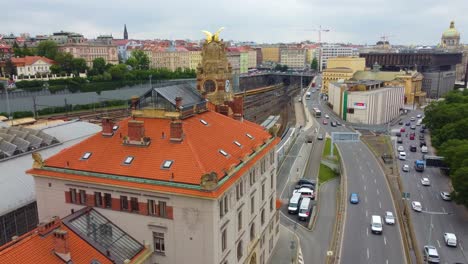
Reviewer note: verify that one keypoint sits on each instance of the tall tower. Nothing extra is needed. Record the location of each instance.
(450, 37)
(125, 32)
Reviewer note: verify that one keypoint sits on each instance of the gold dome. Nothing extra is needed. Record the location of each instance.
(451, 32)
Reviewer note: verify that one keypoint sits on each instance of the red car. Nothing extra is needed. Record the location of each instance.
(325, 122)
(402, 129)
(411, 136)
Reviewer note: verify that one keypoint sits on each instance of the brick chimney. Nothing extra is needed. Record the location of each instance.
(238, 108)
(44, 228)
(177, 132)
(134, 101)
(178, 102)
(107, 127)
(222, 109)
(62, 245)
(136, 130)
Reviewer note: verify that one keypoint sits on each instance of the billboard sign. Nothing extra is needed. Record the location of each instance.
(358, 105)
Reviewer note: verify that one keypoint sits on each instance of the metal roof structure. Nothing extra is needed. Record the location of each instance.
(17, 187)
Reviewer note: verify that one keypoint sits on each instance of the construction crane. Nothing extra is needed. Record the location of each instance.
(385, 38)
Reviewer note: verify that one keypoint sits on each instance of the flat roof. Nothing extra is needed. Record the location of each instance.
(17, 187)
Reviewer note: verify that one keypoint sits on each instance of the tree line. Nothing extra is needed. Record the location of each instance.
(448, 122)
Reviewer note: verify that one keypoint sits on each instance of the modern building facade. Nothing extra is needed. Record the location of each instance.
(332, 51)
(341, 68)
(366, 102)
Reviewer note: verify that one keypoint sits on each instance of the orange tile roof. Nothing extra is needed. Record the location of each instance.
(198, 154)
(32, 248)
(29, 60)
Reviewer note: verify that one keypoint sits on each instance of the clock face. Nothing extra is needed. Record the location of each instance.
(209, 86)
(227, 86)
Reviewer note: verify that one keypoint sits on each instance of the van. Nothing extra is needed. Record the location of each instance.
(424, 149)
(293, 206)
(305, 209)
(306, 192)
(376, 224)
(402, 155)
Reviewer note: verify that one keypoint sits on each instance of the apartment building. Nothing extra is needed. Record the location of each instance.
(294, 58)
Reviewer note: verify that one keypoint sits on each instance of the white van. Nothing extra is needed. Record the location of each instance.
(293, 206)
(424, 149)
(305, 208)
(402, 155)
(306, 192)
(376, 224)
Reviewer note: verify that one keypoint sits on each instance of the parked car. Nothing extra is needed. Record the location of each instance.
(402, 155)
(424, 149)
(402, 129)
(306, 192)
(419, 116)
(338, 123)
(422, 130)
(416, 206)
(401, 122)
(421, 137)
(425, 181)
(430, 254)
(306, 181)
(320, 137)
(413, 127)
(445, 196)
(412, 118)
(413, 148)
(354, 198)
(450, 239)
(294, 202)
(411, 137)
(304, 209)
(333, 124)
(325, 122)
(406, 168)
(327, 116)
(389, 218)
(399, 140)
(422, 143)
(401, 148)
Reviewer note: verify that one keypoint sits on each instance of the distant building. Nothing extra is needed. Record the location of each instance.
(32, 65)
(195, 57)
(89, 50)
(271, 54)
(5, 52)
(85, 236)
(341, 68)
(170, 58)
(294, 58)
(234, 58)
(365, 102)
(333, 51)
(450, 37)
(252, 57)
(125, 34)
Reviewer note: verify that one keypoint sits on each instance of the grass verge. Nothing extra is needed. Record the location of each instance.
(325, 174)
(326, 149)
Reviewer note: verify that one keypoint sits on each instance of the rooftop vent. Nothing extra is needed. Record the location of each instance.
(107, 127)
(249, 136)
(237, 143)
(203, 122)
(224, 153)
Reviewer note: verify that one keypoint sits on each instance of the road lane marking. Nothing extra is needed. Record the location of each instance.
(443, 209)
(366, 213)
(365, 199)
(368, 253)
(360, 167)
(367, 231)
(422, 197)
(438, 243)
(380, 205)
(385, 240)
(386, 262)
(378, 192)
(365, 187)
(375, 180)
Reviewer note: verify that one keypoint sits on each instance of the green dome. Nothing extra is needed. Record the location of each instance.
(451, 32)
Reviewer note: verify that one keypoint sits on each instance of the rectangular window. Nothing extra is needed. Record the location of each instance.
(272, 204)
(158, 239)
(223, 240)
(263, 192)
(272, 157)
(73, 195)
(162, 209)
(82, 197)
(252, 177)
(239, 220)
(221, 208)
(97, 199)
(263, 166)
(151, 210)
(252, 204)
(123, 203)
(107, 200)
(226, 207)
(134, 204)
(272, 180)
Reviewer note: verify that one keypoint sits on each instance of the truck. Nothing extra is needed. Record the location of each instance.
(435, 161)
(419, 165)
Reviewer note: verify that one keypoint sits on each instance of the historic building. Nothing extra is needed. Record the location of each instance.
(450, 37)
(186, 173)
(89, 50)
(32, 65)
(341, 68)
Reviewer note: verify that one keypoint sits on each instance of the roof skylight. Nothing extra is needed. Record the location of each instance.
(249, 136)
(224, 153)
(203, 122)
(237, 143)
(167, 164)
(115, 127)
(128, 160)
(86, 156)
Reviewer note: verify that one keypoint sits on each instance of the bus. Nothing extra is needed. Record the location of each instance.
(316, 112)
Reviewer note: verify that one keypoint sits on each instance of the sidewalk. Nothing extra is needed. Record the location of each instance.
(287, 249)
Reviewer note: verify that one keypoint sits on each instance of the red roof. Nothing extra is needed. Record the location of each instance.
(29, 60)
(198, 154)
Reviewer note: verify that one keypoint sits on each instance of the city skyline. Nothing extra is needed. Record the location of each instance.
(278, 22)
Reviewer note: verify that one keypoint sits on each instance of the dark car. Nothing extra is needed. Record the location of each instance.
(413, 148)
(423, 126)
(333, 124)
(338, 123)
(320, 137)
(421, 137)
(422, 143)
(422, 130)
(399, 140)
(306, 181)
(401, 122)
(398, 134)
(408, 124)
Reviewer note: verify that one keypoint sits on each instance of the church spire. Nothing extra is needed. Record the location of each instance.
(125, 32)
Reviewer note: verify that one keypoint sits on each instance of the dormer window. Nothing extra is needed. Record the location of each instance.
(86, 156)
(203, 122)
(237, 143)
(128, 160)
(249, 136)
(224, 153)
(167, 164)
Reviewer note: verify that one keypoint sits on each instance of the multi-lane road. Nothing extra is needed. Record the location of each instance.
(365, 177)
(449, 217)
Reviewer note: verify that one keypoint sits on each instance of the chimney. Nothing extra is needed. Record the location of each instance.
(178, 102)
(45, 227)
(107, 127)
(134, 101)
(238, 108)
(177, 132)
(222, 109)
(62, 245)
(136, 130)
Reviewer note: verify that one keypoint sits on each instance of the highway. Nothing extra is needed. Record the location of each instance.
(429, 196)
(365, 177)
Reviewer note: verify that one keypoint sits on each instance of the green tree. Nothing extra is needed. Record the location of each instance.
(64, 60)
(99, 65)
(142, 60)
(55, 69)
(460, 184)
(27, 51)
(10, 68)
(48, 49)
(118, 71)
(18, 52)
(314, 64)
(79, 65)
(132, 62)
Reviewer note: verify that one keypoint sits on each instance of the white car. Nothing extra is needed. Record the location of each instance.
(405, 168)
(445, 196)
(400, 148)
(419, 116)
(327, 116)
(389, 218)
(412, 118)
(450, 239)
(416, 206)
(425, 182)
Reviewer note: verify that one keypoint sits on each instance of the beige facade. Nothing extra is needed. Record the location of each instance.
(170, 59)
(234, 58)
(244, 220)
(271, 54)
(195, 59)
(90, 51)
(341, 68)
(252, 54)
(294, 58)
(368, 103)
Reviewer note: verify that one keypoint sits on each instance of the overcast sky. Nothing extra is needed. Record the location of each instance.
(354, 21)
